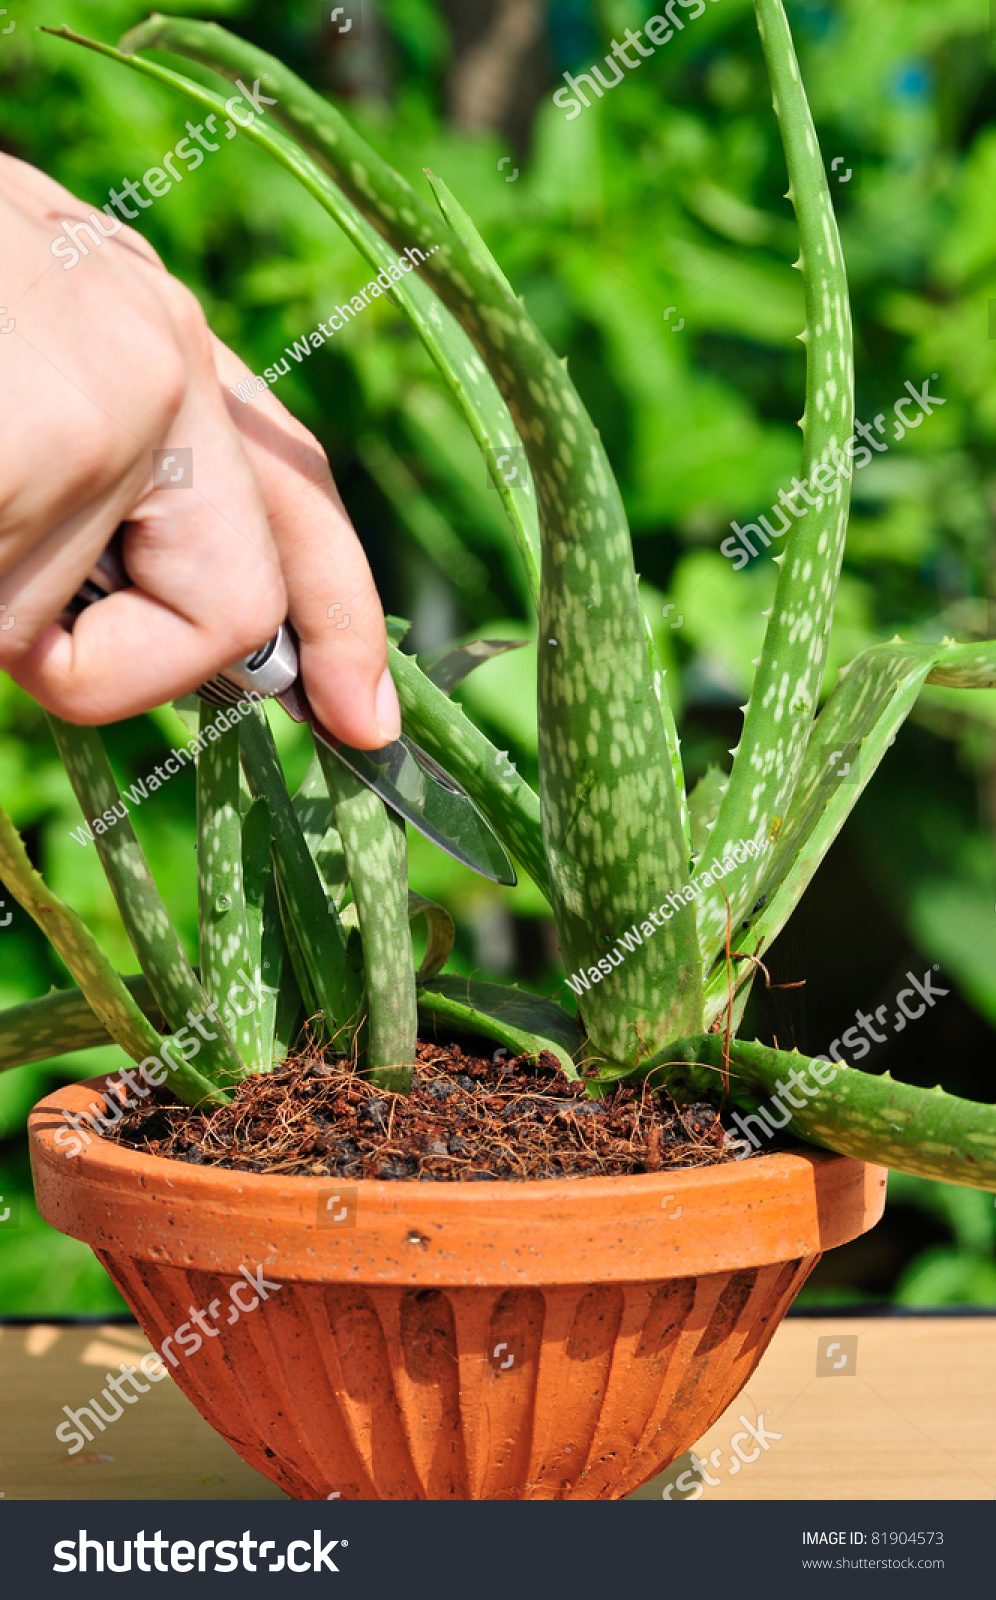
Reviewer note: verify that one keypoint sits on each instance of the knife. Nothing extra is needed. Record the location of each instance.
(401, 774)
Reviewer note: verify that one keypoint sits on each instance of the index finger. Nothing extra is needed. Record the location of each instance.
(332, 600)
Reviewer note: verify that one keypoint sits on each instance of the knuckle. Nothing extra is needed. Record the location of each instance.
(260, 613)
(185, 313)
(98, 453)
(170, 387)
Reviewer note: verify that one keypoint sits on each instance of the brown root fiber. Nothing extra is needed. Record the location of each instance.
(466, 1119)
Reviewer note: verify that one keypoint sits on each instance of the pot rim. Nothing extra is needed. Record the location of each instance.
(778, 1207)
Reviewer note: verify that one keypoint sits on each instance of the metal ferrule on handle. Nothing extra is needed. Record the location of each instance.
(268, 671)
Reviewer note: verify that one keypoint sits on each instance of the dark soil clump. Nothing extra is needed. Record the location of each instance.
(466, 1119)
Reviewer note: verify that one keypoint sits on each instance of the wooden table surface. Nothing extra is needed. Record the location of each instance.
(910, 1415)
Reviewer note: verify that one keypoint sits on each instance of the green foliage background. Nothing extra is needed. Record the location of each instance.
(667, 193)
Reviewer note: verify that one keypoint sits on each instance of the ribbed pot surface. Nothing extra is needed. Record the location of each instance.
(537, 1341)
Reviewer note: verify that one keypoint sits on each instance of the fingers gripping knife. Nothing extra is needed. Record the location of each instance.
(403, 776)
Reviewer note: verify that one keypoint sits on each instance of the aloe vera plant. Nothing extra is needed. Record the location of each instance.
(311, 888)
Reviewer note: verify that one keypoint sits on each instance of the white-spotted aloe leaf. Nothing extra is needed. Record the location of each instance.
(373, 842)
(452, 668)
(328, 981)
(465, 227)
(64, 1021)
(314, 812)
(703, 806)
(226, 959)
(850, 737)
(670, 734)
(966, 666)
(445, 731)
(278, 994)
(853, 732)
(440, 935)
(790, 670)
(111, 1000)
(520, 1021)
(612, 830)
(143, 912)
(922, 1131)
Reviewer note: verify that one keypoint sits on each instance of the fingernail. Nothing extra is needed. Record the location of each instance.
(386, 708)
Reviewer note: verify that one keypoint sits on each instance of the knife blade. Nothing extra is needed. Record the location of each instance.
(403, 775)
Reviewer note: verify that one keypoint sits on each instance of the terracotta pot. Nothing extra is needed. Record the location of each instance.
(481, 1341)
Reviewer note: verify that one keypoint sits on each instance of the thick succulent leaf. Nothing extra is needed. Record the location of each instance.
(921, 1131)
(343, 1037)
(147, 922)
(670, 734)
(464, 228)
(441, 934)
(226, 959)
(314, 812)
(445, 731)
(452, 668)
(611, 820)
(312, 928)
(308, 115)
(64, 1021)
(376, 859)
(290, 1013)
(264, 932)
(398, 629)
(851, 735)
(790, 669)
(703, 806)
(524, 1023)
(967, 666)
(111, 1001)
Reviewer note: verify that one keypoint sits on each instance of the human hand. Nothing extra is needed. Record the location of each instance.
(106, 363)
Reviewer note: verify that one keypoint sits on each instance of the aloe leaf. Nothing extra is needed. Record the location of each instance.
(310, 1003)
(445, 731)
(452, 668)
(525, 1024)
(58, 1023)
(282, 1012)
(314, 812)
(147, 922)
(703, 806)
(854, 730)
(441, 934)
(475, 393)
(290, 1018)
(670, 734)
(106, 993)
(850, 736)
(311, 922)
(110, 999)
(264, 932)
(376, 859)
(790, 669)
(611, 821)
(922, 1131)
(225, 957)
(966, 666)
(398, 629)
(464, 228)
